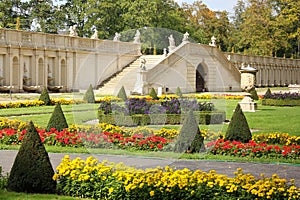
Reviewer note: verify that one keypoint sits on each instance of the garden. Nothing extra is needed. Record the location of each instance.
(193, 126)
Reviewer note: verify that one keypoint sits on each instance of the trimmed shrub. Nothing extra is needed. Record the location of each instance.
(178, 92)
(153, 94)
(253, 94)
(122, 94)
(238, 128)
(89, 96)
(45, 97)
(268, 94)
(32, 171)
(189, 138)
(57, 120)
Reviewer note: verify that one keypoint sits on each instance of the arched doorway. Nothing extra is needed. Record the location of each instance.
(200, 78)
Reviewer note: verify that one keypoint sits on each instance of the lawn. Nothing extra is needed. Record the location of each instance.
(266, 119)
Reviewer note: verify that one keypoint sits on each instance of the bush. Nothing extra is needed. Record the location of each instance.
(238, 128)
(57, 120)
(280, 102)
(178, 92)
(268, 94)
(45, 97)
(153, 94)
(32, 171)
(122, 94)
(89, 96)
(253, 94)
(189, 138)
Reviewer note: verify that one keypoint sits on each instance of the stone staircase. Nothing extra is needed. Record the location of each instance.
(127, 77)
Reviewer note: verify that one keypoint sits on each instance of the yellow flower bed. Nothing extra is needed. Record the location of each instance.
(276, 138)
(12, 123)
(66, 101)
(104, 180)
(107, 99)
(19, 104)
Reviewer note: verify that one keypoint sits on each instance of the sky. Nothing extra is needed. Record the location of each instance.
(216, 5)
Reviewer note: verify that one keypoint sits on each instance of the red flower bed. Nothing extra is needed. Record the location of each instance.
(92, 139)
(253, 149)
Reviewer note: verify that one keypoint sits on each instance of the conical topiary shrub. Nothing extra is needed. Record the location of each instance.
(45, 97)
(153, 94)
(253, 94)
(178, 92)
(89, 96)
(238, 128)
(189, 138)
(32, 171)
(57, 119)
(268, 94)
(122, 94)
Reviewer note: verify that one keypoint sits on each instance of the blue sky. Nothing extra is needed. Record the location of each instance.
(216, 4)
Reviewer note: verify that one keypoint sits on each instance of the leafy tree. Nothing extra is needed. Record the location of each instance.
(153, 94)
(10, 11)
(57, 119)
(32, 171)
(89, 96)
(189, 138)
(45, 97)
(122, 94)
(238, 128)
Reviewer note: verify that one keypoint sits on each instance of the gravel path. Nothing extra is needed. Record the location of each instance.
(283, 170)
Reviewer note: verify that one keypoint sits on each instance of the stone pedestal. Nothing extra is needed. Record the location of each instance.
(247, 104)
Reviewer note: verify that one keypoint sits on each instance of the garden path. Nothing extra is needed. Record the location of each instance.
(286, 171)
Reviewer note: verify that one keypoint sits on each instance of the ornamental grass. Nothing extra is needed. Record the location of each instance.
(105, 180)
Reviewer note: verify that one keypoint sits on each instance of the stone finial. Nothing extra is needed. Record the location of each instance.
(185, 37)
(137, 37)
(117, 37)
(213, 41)
(165, 52)
(95, 35)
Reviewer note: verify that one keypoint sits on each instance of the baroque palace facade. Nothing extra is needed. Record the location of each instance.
(30, 61)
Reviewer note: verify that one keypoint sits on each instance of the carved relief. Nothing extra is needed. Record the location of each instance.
(50, 40)
(26, 37)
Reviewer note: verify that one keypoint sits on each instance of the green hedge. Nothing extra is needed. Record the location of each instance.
(280, 102)
(202, 117)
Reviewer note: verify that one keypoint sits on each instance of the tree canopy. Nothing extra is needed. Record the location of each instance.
(257, 27)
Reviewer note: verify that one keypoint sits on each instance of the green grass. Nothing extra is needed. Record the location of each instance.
(5, 195)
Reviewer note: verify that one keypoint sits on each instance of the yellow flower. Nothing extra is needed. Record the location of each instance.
(110, 190)
(151, 193)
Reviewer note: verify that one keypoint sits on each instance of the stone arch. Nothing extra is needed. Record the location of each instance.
(201, 77)
(41, 72)
(63, 73)
(15, 71)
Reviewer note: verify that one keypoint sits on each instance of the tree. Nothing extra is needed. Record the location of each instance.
(267, 94)
(189, 138)
(10, 11)
(238, 128)
(122, 94)
(153, 94)
(89, 96)
(178, 92)
(45, 97)
(32, 171)
(57, 119)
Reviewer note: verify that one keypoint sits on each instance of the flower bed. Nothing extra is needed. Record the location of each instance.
(92, 179)
(281, 99)
(253, 149)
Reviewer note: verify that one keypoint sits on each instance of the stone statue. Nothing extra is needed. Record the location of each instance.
(143, 63)
(117, 37)
(137, 37)
(165, 52)
(185, 37)
(73, 31)
(213, 41)
(95, 35)
(171, 43)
